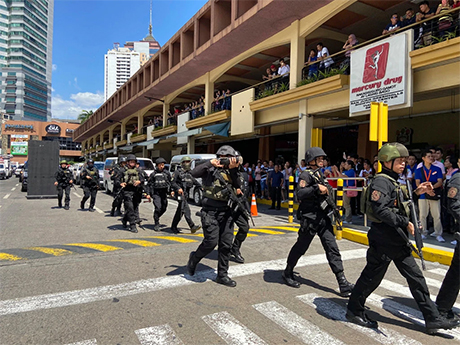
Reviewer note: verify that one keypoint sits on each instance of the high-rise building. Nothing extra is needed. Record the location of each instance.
(26, 41)
(122, 63)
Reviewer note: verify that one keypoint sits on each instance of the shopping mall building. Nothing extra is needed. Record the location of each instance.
(230, 45)
(16, 135)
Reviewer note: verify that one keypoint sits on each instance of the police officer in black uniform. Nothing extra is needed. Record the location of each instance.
(132, 182)
(159, 187)
(89, 178)
(451, 284)
(182, 182)
(117, 195)
(386, 244)
(311, 192)
(216, 215)
(63, 182)
(240, 220)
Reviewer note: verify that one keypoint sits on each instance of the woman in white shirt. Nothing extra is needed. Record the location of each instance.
(324, 56)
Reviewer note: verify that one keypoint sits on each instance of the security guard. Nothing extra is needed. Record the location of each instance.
(451, 284)
(89, 178)
(182, 182)
(159, 186)
(240, 220)
(311, 191)
(216, 215)
(63, 182)
(132, 182)
(386, 199)
(117, 195)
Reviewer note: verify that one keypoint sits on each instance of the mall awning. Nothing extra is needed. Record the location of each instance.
(149, 142)
(219, 129)
(186, 133)
(128, 147)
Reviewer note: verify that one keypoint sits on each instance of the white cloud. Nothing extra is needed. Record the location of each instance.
(70, 109)
(54, 67)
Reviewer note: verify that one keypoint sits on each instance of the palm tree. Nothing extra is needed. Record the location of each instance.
(85, 115)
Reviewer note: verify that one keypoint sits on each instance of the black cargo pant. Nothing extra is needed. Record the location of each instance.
(131, 199)
(217, 230)
(323, 228)
(118, 198)
(451, 284)
(378, 260)
(89, 191)
(182, 208)
(243, 228)
(60, 190)
(160, 201)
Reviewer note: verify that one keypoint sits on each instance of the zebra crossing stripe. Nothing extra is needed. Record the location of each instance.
(337, 312)
(231, 330)
(438, 271)
(404, 312)
(296, 325)
(158, 335)
(404, 290)
(85, 342)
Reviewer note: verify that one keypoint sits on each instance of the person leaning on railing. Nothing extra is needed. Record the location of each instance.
(445, 21)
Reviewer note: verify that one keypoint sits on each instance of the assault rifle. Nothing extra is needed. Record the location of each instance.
(417, 225)
(328, 204)
(234, 201)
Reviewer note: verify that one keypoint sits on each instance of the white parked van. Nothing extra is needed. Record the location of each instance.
(195, 193)
(145, 163)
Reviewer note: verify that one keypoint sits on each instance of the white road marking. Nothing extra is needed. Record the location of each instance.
(404, 290)
(17, 184)
(98, 209)
(85, 342)
(337, 312)
(6, 196)
(403, 311)
(438, 271)
(296, 325)
(63, 299)
(158, 335)
(76, 195)
(13, 189)
(231, 330)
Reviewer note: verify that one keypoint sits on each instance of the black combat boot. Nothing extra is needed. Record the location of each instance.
(361, 320)
(226, 280)
(345, 286)
(191, 264)
(236, 255)
(66, 207)
(60, 203)
(91, 209)
(133, 228)
(175, 230)
(288, 276)
(440, 322)
(156, 227)
(82, 205)
(112, 212)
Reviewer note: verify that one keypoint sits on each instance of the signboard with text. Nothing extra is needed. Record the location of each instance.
(381, 72)
(19, 148)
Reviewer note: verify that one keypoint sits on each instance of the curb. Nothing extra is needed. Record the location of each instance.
(429, 254)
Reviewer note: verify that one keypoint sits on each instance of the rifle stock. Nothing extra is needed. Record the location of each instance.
(328, 204)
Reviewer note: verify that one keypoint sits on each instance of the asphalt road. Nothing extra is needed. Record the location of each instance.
(75, 277)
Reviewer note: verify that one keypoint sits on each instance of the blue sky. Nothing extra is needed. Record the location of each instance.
(84, 30)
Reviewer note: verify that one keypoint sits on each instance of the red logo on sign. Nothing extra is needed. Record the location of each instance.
(375, 65)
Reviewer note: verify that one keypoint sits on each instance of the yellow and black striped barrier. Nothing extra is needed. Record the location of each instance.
(291, 199)
(338, 233)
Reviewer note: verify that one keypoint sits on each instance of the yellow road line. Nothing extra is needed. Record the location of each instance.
(138, 242)
(10, 257)
(51, 251)
(100, 247)
(263, 231)
(171, 238)
(282, 228)
(194, 235)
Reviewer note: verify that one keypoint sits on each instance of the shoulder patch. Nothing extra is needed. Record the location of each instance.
(452, 193)
(375, 195)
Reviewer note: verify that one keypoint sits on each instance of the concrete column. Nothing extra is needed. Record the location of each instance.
(123, 130)
(208, 94)
(165, 113)
(305, 127)
(140, 123)
(190, 145)
(111, 135)
(297, 55)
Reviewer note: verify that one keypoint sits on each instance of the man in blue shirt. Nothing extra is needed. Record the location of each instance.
(430, 202)
(276, 181)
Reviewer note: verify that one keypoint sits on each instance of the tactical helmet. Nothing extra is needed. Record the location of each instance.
(186, 163)
(313, 153)
(225, 150)
(90, 161)
(186, 158)
(122, 159)
(160, 160)
(391, 151)
(131, 157)
(63, 161)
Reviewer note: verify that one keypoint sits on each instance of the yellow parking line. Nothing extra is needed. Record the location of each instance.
(282, 228)
(271, 232)
(171, 238)
(9, 257)
(138, 242)
(51, 251)
(100, 247)
(194, 235)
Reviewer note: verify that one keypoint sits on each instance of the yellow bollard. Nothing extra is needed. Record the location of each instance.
(291, 199)
(338, 233)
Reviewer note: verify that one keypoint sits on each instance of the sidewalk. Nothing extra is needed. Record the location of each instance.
(433, 250)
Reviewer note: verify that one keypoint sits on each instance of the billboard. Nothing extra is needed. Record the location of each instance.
(381, 72)
(19, 144)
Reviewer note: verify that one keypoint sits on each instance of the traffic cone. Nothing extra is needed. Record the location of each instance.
(254, 206)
